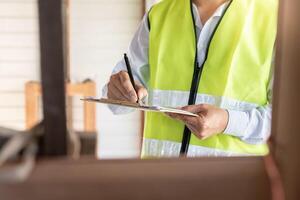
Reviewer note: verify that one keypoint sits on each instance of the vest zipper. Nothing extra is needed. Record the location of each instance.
(196, 79)
(192, 99)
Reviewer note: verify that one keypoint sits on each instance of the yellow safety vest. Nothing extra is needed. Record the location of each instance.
(234, 75)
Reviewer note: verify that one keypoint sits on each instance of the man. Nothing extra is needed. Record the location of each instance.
(215, 54)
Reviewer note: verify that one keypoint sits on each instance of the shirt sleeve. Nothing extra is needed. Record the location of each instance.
(252, 126)
(138, 58)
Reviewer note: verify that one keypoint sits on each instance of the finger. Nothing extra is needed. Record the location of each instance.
(113, 96)
(195, 108)
(170, 115)
(189, 119)
(184, 118)
(127, 86)
(173, 115)
(191, 128)
(117, 85)
(114, 93)
(141, 91)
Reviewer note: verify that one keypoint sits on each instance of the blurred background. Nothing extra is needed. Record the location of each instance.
(97, 33)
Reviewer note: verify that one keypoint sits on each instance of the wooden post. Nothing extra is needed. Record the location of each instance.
(87, 88)
(142, 113)
(54, 142)
(90, 108)
(66, 36)
(32, 93)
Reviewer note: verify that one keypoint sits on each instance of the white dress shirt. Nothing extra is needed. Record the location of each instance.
(252, 126)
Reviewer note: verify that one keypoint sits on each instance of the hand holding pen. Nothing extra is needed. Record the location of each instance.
(123, 87)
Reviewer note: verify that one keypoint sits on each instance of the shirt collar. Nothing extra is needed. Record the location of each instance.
(217, 14)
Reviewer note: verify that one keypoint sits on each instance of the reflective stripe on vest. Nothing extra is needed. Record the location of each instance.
(175, 99)
(162, 148)
(235, 74)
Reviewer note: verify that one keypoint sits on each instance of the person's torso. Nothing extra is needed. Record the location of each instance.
(235, 67)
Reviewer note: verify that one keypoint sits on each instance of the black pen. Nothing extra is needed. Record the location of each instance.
(130, 74)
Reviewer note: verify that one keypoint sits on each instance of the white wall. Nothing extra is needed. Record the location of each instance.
(19, 58)
(100, 33)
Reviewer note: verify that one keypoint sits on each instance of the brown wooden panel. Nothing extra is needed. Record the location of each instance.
(192, 179)
(286, 107)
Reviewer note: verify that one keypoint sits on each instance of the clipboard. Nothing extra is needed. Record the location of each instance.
(139, 106)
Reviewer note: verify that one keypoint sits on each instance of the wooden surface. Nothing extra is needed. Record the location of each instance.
(205, 178)
(32, 94)
(286, 106)
(85, 89)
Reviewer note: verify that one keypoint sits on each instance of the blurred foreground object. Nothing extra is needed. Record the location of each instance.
(85, 140)
(18, 150)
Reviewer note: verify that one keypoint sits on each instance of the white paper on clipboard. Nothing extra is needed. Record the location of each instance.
(139, 106)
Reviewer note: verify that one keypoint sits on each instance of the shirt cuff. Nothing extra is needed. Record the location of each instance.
(237, 123)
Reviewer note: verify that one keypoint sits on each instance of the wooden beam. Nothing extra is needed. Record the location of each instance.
(286, 107)
(53, 77)
(85, 89)
(32, 93)
(165, 179)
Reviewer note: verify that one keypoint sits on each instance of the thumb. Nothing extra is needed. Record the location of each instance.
(141, 91)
